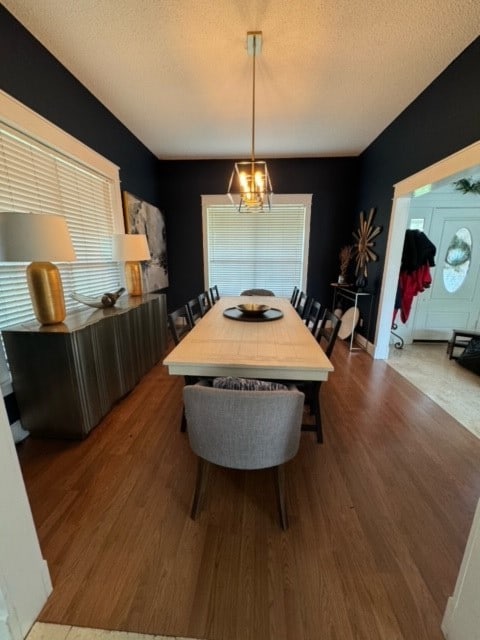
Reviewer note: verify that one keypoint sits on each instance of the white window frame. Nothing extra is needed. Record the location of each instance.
(17, 116)
(301, 199)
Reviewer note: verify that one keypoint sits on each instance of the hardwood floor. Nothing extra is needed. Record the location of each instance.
(379, 518)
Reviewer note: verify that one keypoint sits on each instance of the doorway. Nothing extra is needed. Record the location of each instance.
(463, 160)
(451, 220)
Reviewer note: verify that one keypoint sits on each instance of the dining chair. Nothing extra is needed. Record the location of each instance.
(214, 295)
(313, 317)
(306, 307)
(293, 299)
(243, 430)
(179, 323)
(257, 292)
(300, 305)
(204, 302)
(194, 311)
(326, 336)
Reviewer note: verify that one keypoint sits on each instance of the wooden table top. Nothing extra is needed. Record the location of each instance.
(281, 349)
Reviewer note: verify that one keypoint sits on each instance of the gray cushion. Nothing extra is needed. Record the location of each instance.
(247, 384)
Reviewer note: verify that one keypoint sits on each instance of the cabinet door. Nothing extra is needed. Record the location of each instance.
(54, 379)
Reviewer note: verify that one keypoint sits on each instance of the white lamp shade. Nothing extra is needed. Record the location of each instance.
(128, 247)
(34, 237)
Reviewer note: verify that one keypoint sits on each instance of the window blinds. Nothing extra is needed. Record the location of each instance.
(257, 250)
(37, 178)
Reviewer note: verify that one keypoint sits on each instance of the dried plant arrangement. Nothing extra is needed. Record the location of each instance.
(345, 256)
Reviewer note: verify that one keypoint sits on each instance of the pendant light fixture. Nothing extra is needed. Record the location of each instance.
(250, 187)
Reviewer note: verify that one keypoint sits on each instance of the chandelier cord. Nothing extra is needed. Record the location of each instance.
(253, 103)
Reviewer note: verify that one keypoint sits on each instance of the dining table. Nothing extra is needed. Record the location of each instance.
(274, 345)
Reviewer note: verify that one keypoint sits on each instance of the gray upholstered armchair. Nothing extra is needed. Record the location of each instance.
(243, 430)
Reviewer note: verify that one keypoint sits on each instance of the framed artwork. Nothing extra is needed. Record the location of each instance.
(142, 217)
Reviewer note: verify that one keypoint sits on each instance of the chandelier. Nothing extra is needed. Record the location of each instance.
(250, 187)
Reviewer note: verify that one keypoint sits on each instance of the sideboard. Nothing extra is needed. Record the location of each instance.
(66, 377)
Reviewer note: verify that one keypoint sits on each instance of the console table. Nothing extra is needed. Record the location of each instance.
(342, 291)
(66, 377)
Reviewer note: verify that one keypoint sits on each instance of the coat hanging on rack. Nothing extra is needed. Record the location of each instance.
(418, 256)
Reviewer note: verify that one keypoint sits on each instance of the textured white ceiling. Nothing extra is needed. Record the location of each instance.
(332, 73)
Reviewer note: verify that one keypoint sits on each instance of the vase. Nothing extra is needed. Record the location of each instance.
(361, 283)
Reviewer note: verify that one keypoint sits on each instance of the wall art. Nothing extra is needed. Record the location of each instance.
(142, 217)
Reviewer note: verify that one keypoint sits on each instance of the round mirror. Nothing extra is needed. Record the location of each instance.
(457, 260)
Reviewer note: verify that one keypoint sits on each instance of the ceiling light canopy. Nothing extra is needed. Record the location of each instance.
(250, 187)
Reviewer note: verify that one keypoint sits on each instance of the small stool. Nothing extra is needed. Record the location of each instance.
(460, 339)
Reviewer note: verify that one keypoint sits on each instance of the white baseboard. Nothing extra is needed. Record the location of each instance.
(461, 620)
(18, 433)
(364, 343)
(47, 582)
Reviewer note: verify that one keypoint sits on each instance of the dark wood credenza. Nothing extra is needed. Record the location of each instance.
(67, 377)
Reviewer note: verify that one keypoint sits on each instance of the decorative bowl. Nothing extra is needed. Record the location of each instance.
(252, 309)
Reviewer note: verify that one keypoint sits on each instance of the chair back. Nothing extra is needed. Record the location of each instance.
(179, 323)
(194, 311)
(293, 299)
(257, 292)
(243, 429)
(204, 302)
(328, 331)
(301, 300)
(308, 305)
(214, 295)
(313, 317)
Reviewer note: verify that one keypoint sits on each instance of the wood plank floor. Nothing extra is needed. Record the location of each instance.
(379, 518)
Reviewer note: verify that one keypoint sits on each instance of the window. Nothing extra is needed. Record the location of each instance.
(267, 250)
(45, 170)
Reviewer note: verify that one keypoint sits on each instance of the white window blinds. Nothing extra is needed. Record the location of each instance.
(267, 250)
(35, 177)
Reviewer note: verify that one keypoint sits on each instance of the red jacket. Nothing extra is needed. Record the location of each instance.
(411, 284)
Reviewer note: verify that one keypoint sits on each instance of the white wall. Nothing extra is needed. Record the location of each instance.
(24, 578)
(462, 615)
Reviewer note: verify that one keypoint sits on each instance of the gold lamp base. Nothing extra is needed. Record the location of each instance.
(46, 292)
(133, 278)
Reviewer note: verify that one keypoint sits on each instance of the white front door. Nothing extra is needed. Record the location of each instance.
(453, 299)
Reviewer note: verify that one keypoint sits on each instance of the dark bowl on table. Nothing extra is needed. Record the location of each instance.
(252, 309)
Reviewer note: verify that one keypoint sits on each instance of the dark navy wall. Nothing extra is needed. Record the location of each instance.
(332, 181)
(32, 75)
(29, 73)
(443, 119)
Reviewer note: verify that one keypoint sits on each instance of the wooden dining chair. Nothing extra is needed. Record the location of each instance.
(312, 319)
(293, 299)
(204, 302)
(326, 336)
(214, 295)
(179, 323)
(300, 305)
(194, 311)
(243, 430)
(257, 292)
(307, 306)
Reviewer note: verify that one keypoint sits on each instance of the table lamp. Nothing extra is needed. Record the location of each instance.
(131, 248)
(39, 238)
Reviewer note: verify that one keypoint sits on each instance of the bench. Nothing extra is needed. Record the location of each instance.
(460, 339)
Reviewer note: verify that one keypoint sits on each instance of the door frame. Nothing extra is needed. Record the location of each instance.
(403, 192)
